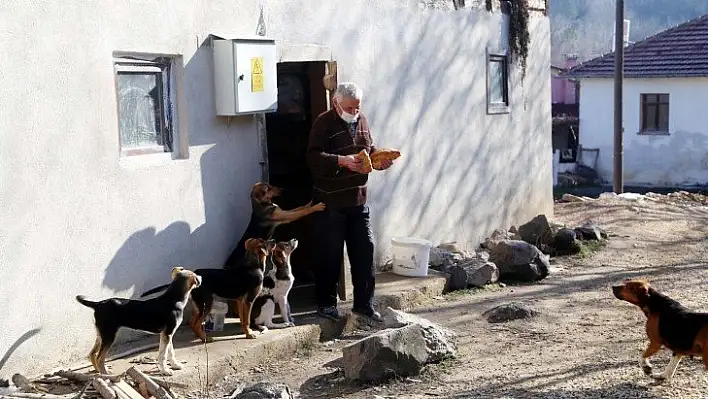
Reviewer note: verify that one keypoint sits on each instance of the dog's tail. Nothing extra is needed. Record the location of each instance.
(82, 300)
(154, 290)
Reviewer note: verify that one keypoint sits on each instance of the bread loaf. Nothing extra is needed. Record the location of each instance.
(365, 162)
(383, 154)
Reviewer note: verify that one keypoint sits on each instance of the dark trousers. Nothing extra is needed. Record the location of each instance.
(332, 228)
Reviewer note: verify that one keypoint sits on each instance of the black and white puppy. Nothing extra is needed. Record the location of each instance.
(160, 315)
(277, 283)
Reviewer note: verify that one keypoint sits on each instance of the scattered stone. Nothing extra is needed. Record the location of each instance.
(450, 247)
(519, 261)
(513, 229)
(565, 242)
(474, 272)
(4, 383)
(590, 231)
(21, 382)
(630, 196)
(679, 197)
(264, 390)
(607, 195)
(571, 198)
(537, 231)
(496, 237)
(509, 311)
(399, 352)
(439, 257)
(482, 255)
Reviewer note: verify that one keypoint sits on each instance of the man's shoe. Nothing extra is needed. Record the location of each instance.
(370, 313)
(328, 312)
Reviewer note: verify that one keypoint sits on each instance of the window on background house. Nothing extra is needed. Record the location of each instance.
(145, 117)
(655, 114)
(497, 84)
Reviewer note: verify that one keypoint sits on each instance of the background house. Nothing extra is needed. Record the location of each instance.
(665, 96)
(564, 111)
(114, 166)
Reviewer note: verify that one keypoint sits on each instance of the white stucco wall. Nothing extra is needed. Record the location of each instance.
(677, 159)
(78, 219)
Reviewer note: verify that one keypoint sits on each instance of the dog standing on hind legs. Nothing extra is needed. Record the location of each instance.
(669, 324)
(160, 315)
(265, 217)
(277, 283)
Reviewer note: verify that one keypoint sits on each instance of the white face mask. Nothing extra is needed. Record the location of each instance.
(346, 116)
(349, 118)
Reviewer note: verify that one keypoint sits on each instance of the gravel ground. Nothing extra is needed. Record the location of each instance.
(585, 343)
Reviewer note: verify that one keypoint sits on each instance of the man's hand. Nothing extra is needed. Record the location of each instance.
(350, 162)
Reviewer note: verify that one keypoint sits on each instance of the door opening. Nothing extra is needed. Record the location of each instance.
(301, 98)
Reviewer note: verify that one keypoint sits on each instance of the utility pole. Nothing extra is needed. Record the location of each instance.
(618, 181)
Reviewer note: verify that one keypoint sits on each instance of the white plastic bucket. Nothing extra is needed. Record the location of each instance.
(215, 320)
(410, 256)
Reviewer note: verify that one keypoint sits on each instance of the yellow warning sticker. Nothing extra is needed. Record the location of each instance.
(256, 74)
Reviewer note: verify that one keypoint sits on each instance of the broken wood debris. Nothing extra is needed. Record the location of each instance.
(152, 387)
(80, 377)
(104, 386)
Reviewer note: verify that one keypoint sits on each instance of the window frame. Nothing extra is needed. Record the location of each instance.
(163, 66)
(494, 108)
(644, 104)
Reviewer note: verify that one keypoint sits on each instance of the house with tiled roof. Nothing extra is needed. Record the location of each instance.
(665, 113)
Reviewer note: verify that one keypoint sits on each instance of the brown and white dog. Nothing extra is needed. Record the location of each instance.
(277, 283)
(160, 315)
(669, 324)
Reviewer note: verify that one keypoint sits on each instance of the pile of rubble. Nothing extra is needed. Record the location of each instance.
(678, 197)
(516, 255)
(65, 384)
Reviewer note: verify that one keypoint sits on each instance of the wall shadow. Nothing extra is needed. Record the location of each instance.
(226, 173)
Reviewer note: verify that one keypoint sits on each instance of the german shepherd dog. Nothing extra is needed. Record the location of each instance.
(266, 216)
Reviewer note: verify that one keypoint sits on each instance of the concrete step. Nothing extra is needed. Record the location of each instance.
(230, 350)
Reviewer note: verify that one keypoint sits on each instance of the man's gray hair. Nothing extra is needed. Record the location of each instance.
(349, 90)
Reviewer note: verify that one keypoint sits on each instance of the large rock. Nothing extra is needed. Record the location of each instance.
(264, 390)
(537, 232)
(519, 261)
(398, 352)
(473, 272)
(590, 231)
(394, 318)
(565, 242)
(509, 311)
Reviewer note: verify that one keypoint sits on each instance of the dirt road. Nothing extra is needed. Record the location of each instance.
(586, 344)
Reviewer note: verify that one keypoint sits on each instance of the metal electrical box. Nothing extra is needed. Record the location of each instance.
(245, 76)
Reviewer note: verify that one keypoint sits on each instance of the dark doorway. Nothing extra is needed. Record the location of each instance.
(301, 97)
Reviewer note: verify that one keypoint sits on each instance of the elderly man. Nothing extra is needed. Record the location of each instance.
(336, 136)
